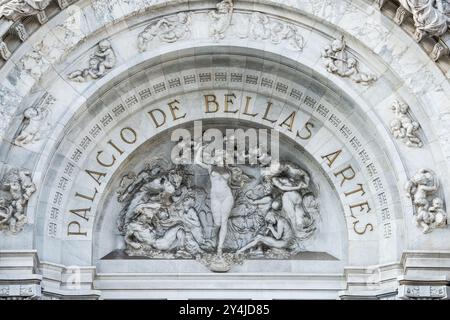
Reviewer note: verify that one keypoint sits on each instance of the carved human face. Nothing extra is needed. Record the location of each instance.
(438, 203)
(188, 202)
(104, 45)
(270, 218)
(223, 7)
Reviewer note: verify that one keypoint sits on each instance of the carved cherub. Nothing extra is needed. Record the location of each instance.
(100, 63)
(167, 30)
(420, 188)
(337, 61)
(220, 19)
(440, 216)
(36, 122)
(403, 127)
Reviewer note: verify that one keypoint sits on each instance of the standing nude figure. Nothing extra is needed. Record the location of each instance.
(222, 199)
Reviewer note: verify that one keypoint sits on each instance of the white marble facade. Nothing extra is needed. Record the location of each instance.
(92, 204)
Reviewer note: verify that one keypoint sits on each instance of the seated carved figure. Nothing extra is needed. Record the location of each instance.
(279, 233)
(16, 9)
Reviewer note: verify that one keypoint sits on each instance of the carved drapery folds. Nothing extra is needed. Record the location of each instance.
(16, 9)
(16, 189)
(100, 63)
(429, 208)
(431, 17)
(168, 29)
(220, 19)
(169, 213)
(263, 27)
(36, 121)
(337, 61)
(403, 127)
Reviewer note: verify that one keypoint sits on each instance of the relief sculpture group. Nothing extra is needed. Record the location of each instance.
(217, 213)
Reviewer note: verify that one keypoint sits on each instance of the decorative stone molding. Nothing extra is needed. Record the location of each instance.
(337, 61)
(36, 121)
(20, 292)
(429, 209)
(168, 29)
(100, 63)
(17, 9)
(403, 127)
(220, 19)
(263, 27)
(16, 189)
(416, 292)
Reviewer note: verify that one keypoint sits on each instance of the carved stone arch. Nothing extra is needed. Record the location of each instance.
(378, 53)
